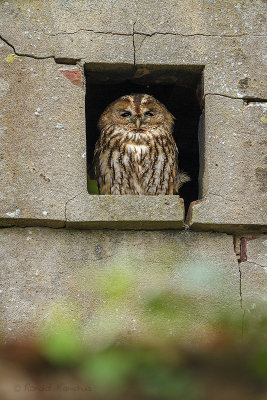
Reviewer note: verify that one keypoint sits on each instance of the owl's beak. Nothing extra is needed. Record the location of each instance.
(137, 123)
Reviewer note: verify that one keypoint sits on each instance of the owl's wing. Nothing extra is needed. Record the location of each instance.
(96, 165)
(181, 177)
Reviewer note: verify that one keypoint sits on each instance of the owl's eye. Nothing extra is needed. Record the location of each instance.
(126, 114)
(149, 114)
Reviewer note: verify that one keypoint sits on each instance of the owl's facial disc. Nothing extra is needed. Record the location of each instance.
(131, 118)
(136, 113)
(137, 120)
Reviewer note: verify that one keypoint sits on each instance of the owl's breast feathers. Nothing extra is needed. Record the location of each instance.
(141, 163)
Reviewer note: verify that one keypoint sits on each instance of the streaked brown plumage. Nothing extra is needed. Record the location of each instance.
(136, 152)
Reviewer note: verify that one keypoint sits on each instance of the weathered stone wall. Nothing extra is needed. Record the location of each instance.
(44, 46)
(56, 264)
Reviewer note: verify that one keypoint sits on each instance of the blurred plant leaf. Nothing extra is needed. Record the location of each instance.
(117, 284)
(92, 186)
(108, 371)
(60, 336)
(161, 382)
(258, 363)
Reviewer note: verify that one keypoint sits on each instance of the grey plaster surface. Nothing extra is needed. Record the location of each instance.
(254, 280)
(43, 267)
(225, 36)
(93, 47)
(42, 140)
(234, 173)
(33, 26)
(230, 68)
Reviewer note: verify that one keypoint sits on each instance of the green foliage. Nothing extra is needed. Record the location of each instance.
(182, 336)
(116, 284)
(92, 186)
(63, 348)
(109, 371)
(258, 363)
(162, 382)
(60, 336)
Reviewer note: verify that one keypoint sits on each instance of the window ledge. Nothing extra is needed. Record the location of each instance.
(125, 212)
(219, 214)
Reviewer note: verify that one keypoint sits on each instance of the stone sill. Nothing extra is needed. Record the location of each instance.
(231, 229)
(31, 222)
(85, 211)
(125, 212)
(210, 215)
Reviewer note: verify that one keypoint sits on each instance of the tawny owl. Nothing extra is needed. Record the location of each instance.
(136, 152)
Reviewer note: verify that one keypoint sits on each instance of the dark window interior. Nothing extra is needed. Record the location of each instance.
(177, 88)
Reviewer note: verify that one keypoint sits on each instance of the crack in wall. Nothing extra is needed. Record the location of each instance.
(244, 98)
(134, 48)
(25, 54)
(91, 31)
(231, 36)
(222, 197)
(241, 300)
(66, 204)
(145, 36)
(155, 33)
(141, 42)
(237, 250)
(255, 264)
(240, 287)
(133, 33)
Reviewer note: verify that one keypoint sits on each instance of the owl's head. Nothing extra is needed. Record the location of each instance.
(136, 112)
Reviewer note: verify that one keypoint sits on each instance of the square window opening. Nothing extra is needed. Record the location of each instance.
(179, 88)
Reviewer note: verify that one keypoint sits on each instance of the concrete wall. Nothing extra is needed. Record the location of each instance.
(44, 47)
